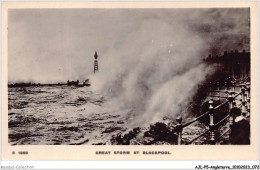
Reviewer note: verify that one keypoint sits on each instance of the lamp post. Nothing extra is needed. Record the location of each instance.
(179, 130)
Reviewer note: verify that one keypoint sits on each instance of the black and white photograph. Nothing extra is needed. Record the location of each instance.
(129, 76)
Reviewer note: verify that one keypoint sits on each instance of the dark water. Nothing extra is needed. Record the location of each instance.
(66, 115)
(60, 115)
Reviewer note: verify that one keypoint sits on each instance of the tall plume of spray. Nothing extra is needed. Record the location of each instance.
(154, 71)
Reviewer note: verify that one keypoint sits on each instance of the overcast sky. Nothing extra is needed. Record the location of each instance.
(56, 45)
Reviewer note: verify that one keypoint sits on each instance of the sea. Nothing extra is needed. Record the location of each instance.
(69, 115)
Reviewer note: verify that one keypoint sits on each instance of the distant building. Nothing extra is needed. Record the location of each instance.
(234, 64)
(72, 83)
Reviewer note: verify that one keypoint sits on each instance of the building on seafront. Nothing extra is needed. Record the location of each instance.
(233, 64)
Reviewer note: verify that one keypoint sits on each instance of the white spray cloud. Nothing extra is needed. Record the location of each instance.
(145, 77)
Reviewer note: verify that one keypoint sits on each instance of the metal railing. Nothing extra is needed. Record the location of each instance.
(213, 127)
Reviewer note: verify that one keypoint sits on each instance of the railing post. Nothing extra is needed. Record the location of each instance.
(226, 88)
(179, 130)
(233, 94)
(243, 90)
(233, 86)
(218, 91)
(245, 111)
(211, 123)
(248, 98)
(231, 120)
(230, 100)
(210, 90)
(245, 96)
(248, 89)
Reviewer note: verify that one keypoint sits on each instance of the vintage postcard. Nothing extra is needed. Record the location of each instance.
(129, 81)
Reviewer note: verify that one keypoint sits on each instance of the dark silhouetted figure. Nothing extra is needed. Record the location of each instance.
(240, 130)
